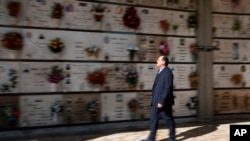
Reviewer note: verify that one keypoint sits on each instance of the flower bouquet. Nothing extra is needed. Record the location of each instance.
(235, 4)
(175, 27)
(132, 78)
(56, 45)
(130, 18)
(97, 77)
(164, 25)
(14, 9)
(164, 48)
(93, 51)
(98, 10)
(237, 79)
(12, 84)
(192, 21)
(55, 75)
(194, 51)
(193, 79)
(56, 108)
(236, 25)
(11, 114)
(132, 50)
(133, 106)
(12, 40)
(93, 107)
(57, 12)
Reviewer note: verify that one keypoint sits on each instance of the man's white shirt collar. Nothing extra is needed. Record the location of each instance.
(161, 69)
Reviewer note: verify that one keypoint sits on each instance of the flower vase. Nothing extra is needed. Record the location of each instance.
(194, 58)
(175, 32)
(108, 27)
(141, 86)
(131, 56)
(53, 87)
(99, 25)
(98, 16)
(191, 31)
(236, 33)
(56, 56)
(27, 22)
(13, 20)
(56, 22)
(54, 118)
(172, 58)
(132, 86)
(12, 124)
(93, 117)
(13, 54)
(132, 115)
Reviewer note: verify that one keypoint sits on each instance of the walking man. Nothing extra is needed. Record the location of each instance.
(162, 100)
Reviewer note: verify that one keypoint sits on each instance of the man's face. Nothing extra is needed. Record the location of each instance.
(160, 62)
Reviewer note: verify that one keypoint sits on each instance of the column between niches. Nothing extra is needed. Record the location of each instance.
(205, 61)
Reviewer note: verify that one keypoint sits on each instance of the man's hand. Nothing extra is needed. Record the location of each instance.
(159, 105)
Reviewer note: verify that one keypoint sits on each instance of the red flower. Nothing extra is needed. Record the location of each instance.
(97, 77)
(16, 113)
(192, 21)
(164, 25)
(130, 18)
(57, 11)
(193, 49)
(12, 40)
(14, 8)
(133, 105)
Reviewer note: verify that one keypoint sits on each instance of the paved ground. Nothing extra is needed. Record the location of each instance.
(185, 132)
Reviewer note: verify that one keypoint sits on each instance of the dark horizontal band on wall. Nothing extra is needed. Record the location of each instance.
(107, 2)
(140, 5)
(231, 13)
(82, 92)
(65, 29)
(235, 88)
(223, 114)
(166, 8)
(166, 35)
(231, 63)
(89, 61)
(96, 31)
(232, 38)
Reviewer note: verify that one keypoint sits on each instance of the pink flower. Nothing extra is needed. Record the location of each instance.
(55, 78)
(164, 49)
(56, 75)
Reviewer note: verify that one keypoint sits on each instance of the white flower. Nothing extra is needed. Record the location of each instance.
(132, 47)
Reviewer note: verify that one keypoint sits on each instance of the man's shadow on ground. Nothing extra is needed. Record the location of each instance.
(195, 132)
